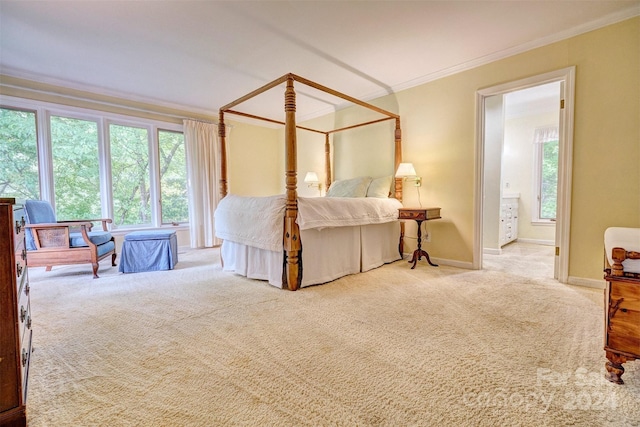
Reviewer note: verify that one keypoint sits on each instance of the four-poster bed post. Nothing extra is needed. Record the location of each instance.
(398, 160)
(291, 273)
(223, 155)
(292, 245)
(327, 162)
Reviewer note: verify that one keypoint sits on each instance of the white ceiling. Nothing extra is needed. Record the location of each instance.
(201, 55)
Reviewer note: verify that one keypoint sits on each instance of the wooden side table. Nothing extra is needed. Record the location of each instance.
(418, 215)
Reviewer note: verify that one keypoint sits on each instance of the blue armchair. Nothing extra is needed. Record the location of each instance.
(51, 242)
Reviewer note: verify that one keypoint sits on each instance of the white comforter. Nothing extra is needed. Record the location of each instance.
(259, 221)
(321, 212)
(252, 221)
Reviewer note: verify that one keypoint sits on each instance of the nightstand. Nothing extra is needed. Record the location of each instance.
(418, 215)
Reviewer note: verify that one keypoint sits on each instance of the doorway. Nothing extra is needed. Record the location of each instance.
(522, 125)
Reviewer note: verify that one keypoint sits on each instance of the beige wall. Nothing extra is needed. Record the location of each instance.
(366, 151)
(310, 154)
(438, 120)
(606, 169)
(255, 163)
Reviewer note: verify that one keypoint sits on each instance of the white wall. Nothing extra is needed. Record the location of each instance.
(518, 173)
(493, 139)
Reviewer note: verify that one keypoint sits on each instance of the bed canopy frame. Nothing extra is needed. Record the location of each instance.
(292, 245)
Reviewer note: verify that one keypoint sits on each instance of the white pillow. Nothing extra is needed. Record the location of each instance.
(354, 187)
(380, 187)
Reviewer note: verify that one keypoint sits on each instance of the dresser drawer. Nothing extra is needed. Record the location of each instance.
(24, 315)
(624, 342)
(23, 290)
(629, 293)
(25, 359)
(18, 223)
(623, 323)
(419, 214)
(412, 215)
(20, 271)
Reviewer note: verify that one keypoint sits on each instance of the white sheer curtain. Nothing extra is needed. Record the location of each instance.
(547, 134)
(203, 174)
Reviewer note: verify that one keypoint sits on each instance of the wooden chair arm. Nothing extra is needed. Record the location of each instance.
(60, 224)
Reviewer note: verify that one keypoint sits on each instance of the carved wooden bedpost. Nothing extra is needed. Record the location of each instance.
(619, 255)
(398, 181)
(223, 156)
(398, 160)
(327, 162)
(292, 274)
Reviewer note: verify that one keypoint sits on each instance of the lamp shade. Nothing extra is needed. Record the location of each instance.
(311, 177)
(405, 169)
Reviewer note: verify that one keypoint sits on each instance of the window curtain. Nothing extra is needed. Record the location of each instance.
(547, 134)
(202, 174)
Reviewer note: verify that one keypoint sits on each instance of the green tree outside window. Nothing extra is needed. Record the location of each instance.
(18, 154)
(76, 174)
(173, 177)
(549, 180)
(130, 175)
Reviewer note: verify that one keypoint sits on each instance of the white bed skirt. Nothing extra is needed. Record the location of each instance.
(327, 254)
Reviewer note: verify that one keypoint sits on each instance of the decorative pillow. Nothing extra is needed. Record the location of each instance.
(380, 187)
(354, 187)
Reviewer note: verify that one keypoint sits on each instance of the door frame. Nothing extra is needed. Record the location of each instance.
(565, 161)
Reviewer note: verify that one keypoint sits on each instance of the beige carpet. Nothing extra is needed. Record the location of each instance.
(391, 347)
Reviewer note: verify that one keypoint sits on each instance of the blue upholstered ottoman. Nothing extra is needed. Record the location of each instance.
(149, 250)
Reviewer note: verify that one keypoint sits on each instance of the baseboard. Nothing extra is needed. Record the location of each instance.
(587, 283)
(453, 263)
(491, 251)
(538, 241)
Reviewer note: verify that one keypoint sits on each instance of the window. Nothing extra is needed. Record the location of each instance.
(173, 177)
(130, 175)
(91, 164)
(549, 181)
(546, 171)
(18, 154)
(76, 175)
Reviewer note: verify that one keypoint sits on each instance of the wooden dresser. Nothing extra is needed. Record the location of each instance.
(15, 315)
(509, 218)
(622, 324)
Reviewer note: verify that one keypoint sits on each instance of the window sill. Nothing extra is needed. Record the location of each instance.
(544, 223)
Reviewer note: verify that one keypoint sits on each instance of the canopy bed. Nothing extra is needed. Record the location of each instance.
(281, 219)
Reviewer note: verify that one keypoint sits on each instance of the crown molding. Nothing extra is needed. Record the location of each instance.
(534, 44)
(41, 84)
